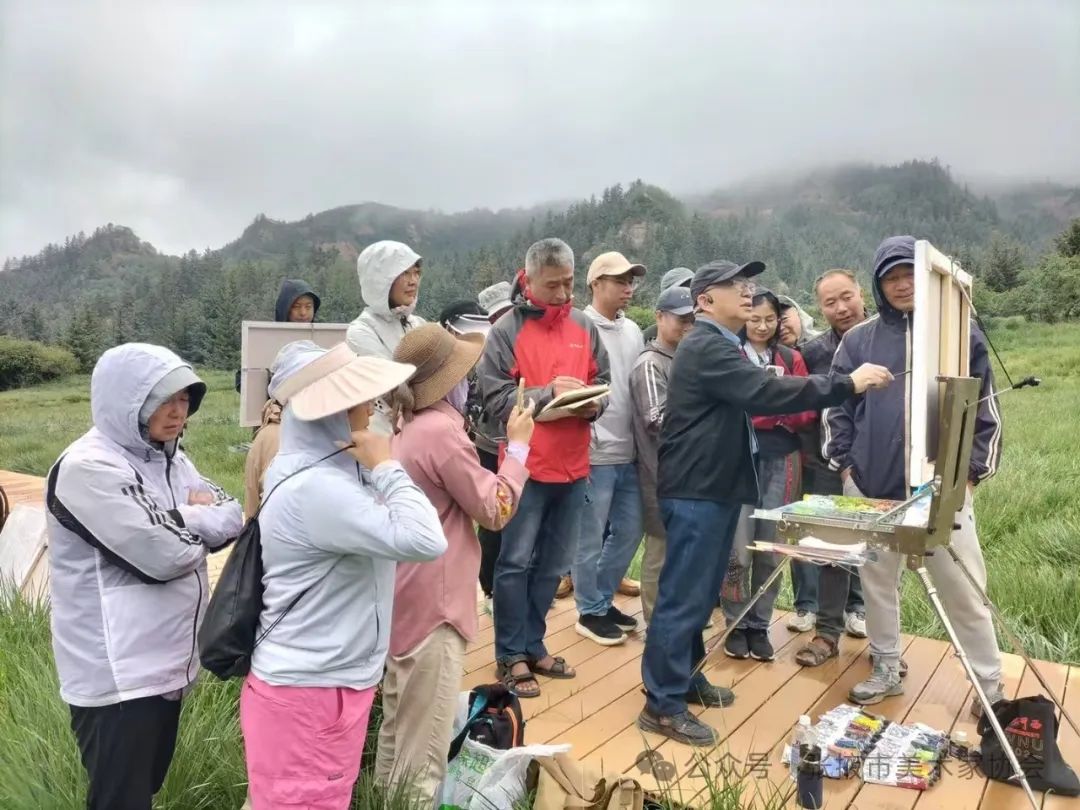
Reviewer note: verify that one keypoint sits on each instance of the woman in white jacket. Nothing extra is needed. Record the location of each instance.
(130, 522)
(389, 274)
(331, 535)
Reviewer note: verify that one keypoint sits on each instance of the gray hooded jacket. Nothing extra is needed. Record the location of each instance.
(379, 329)
(648, 394)
(127, 554)
(613, 431)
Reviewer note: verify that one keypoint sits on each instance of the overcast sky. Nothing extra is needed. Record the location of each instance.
(184, 119)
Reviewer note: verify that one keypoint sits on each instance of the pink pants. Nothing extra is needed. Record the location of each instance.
(302, 743)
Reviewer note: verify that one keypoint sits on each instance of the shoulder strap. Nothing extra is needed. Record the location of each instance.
(787, 356)
(296, 472)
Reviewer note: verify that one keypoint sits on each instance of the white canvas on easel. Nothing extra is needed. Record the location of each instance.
(22, 544)
(940, 346)
(260, 341)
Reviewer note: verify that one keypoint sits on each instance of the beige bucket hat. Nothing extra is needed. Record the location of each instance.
(441, 361)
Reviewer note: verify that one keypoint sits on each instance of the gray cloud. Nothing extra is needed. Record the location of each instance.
(184, 120)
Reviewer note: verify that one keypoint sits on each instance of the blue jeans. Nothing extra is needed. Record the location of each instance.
(699, 535)
(537, 548)
(612, 498)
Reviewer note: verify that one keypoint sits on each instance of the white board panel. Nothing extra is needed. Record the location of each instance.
(940, 346)
(260, 341)
(22, 543)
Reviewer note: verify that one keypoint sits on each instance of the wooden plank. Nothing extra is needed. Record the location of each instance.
(21, 488)
(962, 788)
(998, 795)
(563, 607)
(1068, 741)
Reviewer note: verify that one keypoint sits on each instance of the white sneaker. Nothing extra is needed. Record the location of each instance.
(855, 625)
(802, 622)
(489, 606)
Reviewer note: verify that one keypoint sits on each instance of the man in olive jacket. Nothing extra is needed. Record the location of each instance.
(706, 474)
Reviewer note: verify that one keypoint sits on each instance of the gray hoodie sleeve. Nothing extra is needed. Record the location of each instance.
(106, 505)
(648, 392)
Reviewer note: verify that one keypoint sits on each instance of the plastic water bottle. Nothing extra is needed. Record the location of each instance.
(810, 787)
(804, 735)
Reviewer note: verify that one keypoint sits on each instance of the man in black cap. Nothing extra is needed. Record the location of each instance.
(706, 474)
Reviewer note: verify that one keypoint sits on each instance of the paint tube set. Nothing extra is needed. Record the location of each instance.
(906, 756)
(845, 736)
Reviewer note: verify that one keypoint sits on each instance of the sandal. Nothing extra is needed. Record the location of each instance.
(817, 652)
(559, 670)
(512, 682)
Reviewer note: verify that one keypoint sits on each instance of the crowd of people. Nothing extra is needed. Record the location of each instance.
(394, 472)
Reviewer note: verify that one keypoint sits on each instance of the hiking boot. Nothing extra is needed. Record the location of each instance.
(884, 681)
(629, 587)
(621, 620)
(737, 645)
(802, 622)
(760, 647)
(855, 624)
(600, 629)
(682, 727)
(903, 665)
(993, 694)
(703, 693)
(566, 587)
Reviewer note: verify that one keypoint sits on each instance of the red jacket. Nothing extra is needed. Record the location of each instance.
(795, 422)
(539, 344)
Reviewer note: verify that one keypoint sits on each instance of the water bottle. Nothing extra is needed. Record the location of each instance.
(810, 785)
(804, 735)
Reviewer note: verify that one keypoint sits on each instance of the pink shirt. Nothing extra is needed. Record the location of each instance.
(436, 452)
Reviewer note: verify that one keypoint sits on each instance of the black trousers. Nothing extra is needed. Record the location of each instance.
(490, 542)
(126, 749)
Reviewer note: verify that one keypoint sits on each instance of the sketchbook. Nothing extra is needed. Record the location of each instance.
(569, 403)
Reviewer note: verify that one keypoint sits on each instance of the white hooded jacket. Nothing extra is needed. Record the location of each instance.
(379, 329)
(127, 554)
(339, 530)
(613, 432)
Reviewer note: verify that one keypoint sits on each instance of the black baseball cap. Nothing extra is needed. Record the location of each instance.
(719, 271)
(675, 300)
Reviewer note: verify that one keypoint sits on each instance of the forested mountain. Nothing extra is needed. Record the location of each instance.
(110, 287)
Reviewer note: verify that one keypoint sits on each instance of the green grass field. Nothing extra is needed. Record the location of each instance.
(1029, 523)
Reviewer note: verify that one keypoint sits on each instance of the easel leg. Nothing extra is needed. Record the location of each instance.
(1014, 640)
(988, 712)
(780, 568)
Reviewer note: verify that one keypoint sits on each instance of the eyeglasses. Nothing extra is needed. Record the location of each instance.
(743, 285)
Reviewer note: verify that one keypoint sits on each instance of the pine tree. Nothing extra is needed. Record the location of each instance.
(1004, 263)
(85, 338)
(33, 324)
(1068, 243)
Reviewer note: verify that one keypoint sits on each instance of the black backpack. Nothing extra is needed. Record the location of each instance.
(1030, 725)
(227, 636)
(495, 719)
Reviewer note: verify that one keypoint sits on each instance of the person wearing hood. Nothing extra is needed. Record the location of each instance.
(554, 349)
(675, 277)
(296, 303)
(866, 442)
(796, 324)
(389, 274)
(648, 394)
(342, 515)
(435, 602)
(779, 477)
(706, 474)
(130, 522)
(611, 524)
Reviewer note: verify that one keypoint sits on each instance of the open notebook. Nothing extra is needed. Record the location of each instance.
(568, 404)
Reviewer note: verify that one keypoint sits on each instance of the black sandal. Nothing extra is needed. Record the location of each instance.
(560, 670)
(505, 674)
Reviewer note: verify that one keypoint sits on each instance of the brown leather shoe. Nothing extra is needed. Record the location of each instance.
(629, 587)
(566, 587)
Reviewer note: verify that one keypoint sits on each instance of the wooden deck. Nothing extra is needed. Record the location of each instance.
(29, 489)
(596, 714)
(596, 711)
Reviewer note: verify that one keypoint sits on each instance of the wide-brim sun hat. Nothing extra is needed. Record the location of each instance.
(441, 361)
(339, 380)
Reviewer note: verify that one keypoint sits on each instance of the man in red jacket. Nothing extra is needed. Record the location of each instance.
(554, 349)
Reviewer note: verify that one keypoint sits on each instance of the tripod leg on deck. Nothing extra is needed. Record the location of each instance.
(1014, 640)
(988, 712)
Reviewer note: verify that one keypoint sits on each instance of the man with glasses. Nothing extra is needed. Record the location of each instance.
(613, 497)
(706, 473)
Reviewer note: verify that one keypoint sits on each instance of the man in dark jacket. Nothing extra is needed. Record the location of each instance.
(829, 597)
(867, 442)
(706, 474)
(296, 303)
(555, 349)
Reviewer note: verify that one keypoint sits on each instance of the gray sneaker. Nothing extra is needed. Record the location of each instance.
(682, 727)
(884, 681)
(993, 694)
(903, 665)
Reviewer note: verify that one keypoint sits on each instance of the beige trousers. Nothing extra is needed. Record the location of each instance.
(420, 699)
(651, 563)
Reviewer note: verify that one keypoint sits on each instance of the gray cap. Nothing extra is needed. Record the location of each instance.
(495, 298)
(675, 300)
(172, 383)
(719, 271)
(677, 277)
